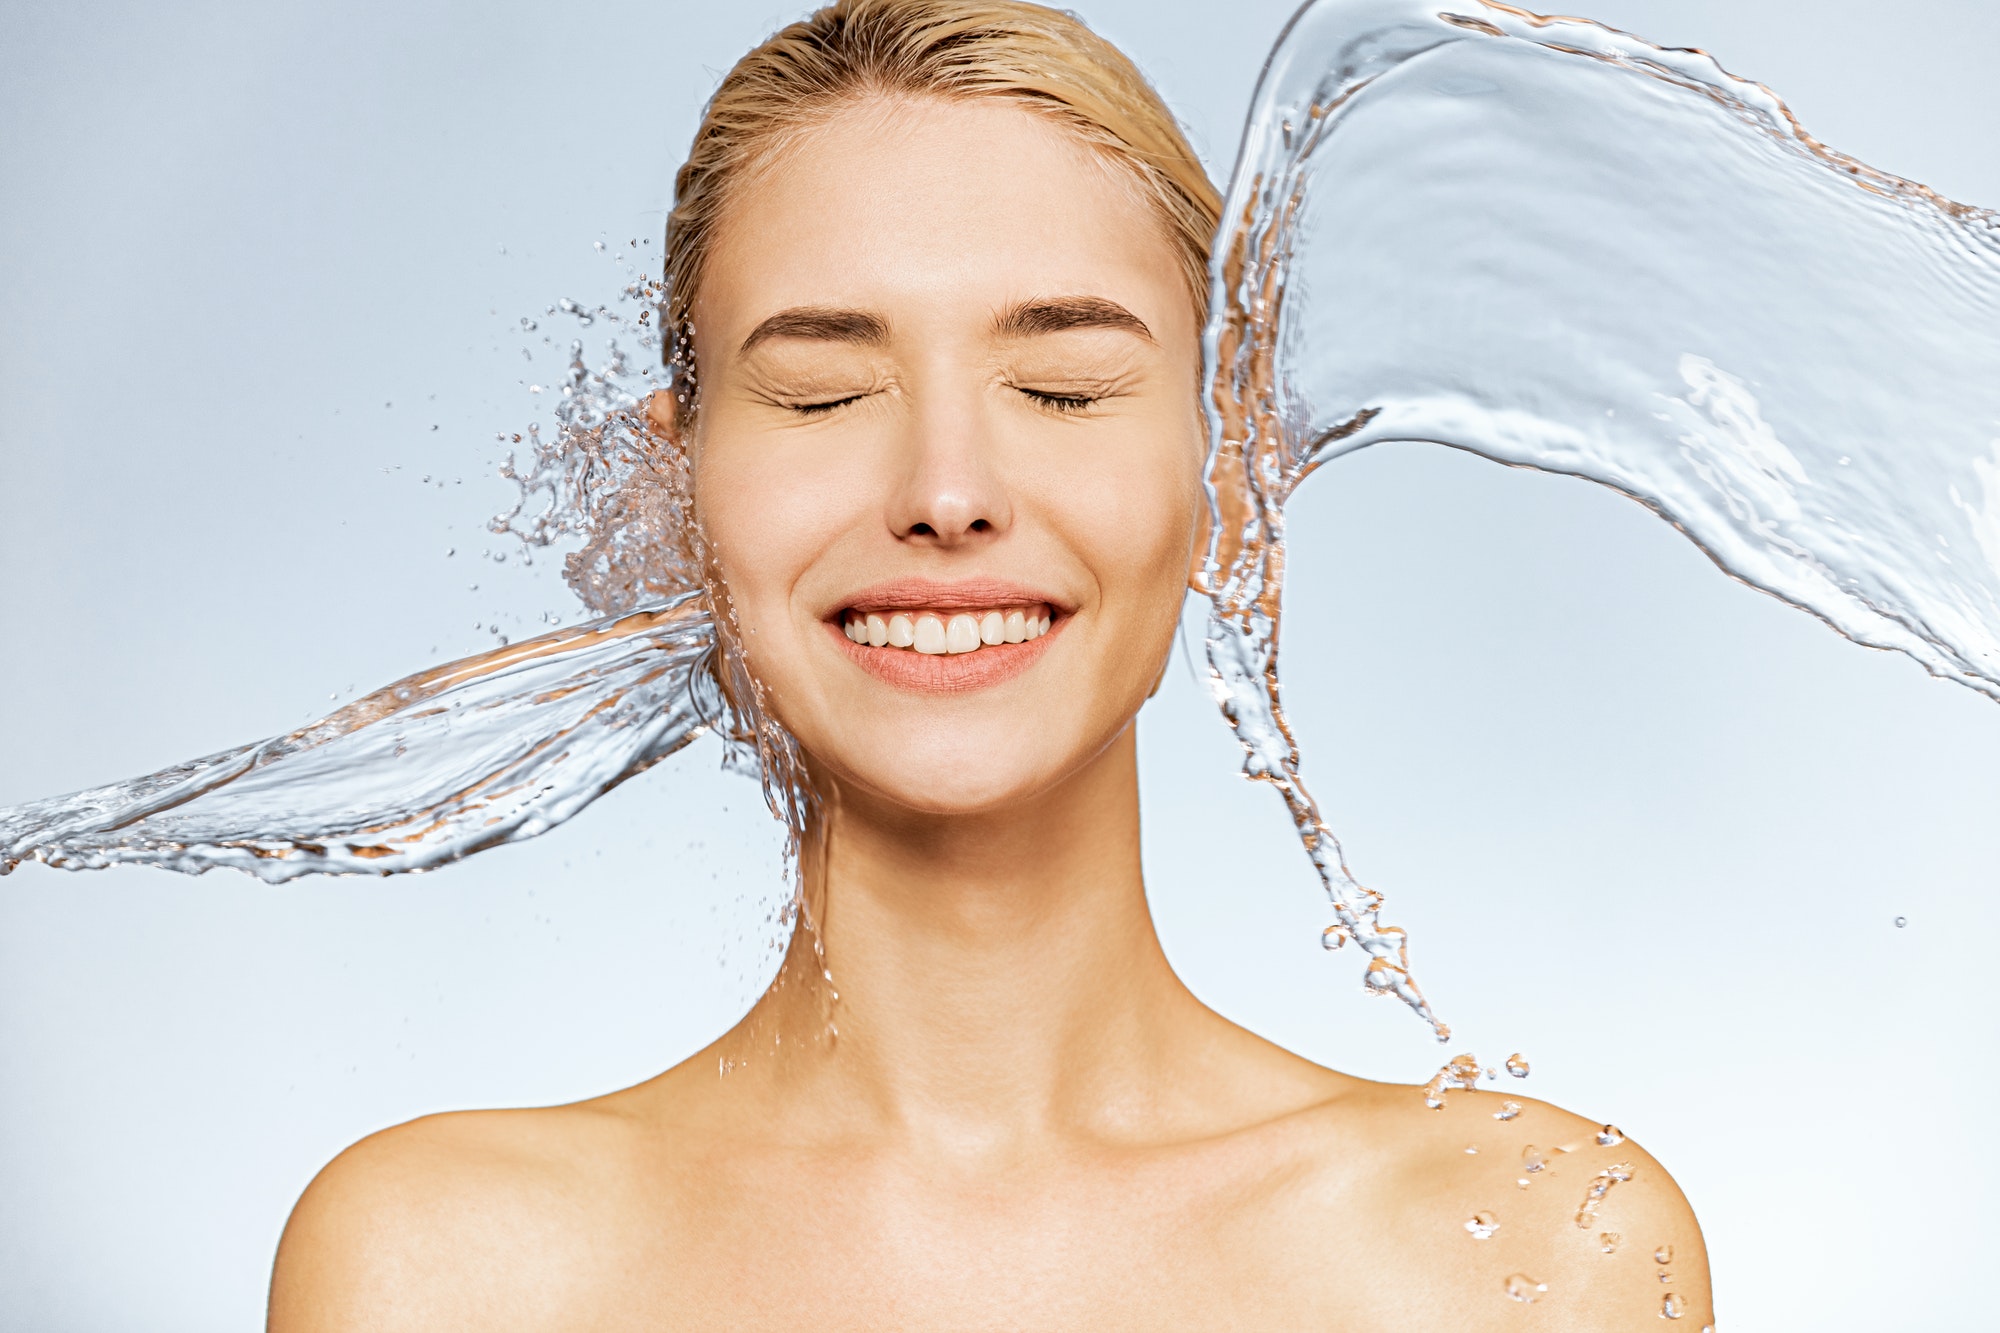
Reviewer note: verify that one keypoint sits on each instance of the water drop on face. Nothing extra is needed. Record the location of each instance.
(1333, 937)
(1609, 1137)
(1507, 1111)
(1664, 1255)
(1481, 1226)
(1673, 1307)
(1608, 1241)
(1902, 921)
(1517, 1065)
(1520, 1287)
(1532, 1159)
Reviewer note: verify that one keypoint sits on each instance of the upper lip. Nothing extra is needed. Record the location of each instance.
(914, 594)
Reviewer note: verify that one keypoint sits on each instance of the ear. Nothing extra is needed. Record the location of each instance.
(663, 414)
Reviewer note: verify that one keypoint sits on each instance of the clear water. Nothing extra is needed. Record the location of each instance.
(1540, 241)
(1560, 247)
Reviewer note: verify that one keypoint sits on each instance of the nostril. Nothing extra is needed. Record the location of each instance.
(981, 525)
(922, 530)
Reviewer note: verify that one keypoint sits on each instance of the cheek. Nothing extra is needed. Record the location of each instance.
(1135, 520)
(765, 518)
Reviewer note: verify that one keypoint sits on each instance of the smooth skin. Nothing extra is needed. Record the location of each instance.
(1025, 1121)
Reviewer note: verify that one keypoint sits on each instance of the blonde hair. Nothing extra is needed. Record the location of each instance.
(1046, 60)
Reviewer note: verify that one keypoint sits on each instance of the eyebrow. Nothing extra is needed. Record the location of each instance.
(1049, 314)
(1056, 314)
(822, 323)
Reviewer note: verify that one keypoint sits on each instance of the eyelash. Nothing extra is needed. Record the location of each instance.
(821, 409)
(1064, 404)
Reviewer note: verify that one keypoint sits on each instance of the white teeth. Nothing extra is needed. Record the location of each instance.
(939, 632)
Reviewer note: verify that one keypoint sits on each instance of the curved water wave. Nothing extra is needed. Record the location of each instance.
(1538, 240)
(487, 750)
(1559, 247)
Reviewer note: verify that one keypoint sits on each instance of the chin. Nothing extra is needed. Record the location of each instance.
(966, 780)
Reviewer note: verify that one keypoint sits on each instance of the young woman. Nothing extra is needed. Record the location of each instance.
(943, 268)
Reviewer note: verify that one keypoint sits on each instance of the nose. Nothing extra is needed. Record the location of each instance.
(951, 492)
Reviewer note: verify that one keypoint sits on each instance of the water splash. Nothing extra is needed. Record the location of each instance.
(1538, 240)
(487, 750)
(1559, 247)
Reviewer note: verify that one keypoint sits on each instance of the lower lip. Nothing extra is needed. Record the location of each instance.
(946, 673)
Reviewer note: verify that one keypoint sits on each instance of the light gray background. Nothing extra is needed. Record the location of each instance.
(1645, 825)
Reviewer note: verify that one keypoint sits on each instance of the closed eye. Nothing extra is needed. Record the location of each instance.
(1065, 403)
(822, 408)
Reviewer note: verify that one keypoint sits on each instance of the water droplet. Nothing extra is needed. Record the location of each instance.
(450, 551)
(1471, 1151)
(1609, 1137)
(1481, 1226)
(597, 246)
(1461, 1073)
(1902, 921)
(1665, 1276)
(1673, 1307)
(1332, 938)
(1507, 1111)
(1608, 1241)
(1517, 1065)
(1522, 1182)
(1520, 1287)
(1532, 1159)
(1664, 1255)
(1618, 1174)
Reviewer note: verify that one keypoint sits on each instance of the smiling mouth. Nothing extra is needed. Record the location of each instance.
(947, 633)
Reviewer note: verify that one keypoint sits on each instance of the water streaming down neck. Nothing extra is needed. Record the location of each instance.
(1540, 241)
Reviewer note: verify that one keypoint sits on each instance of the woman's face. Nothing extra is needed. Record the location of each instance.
(948, 396)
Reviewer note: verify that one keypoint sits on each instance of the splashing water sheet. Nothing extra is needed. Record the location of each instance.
(1559, 247)
(1538, 240)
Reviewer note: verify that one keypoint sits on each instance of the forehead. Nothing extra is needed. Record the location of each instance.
(923, 207)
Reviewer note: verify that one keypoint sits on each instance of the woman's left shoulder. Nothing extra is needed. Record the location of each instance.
(1494, 1198)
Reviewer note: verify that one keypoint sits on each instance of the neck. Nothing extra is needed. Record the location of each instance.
(993, 976)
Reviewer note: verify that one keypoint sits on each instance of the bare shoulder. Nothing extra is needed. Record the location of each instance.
(484, 1219)
(1495, 1200)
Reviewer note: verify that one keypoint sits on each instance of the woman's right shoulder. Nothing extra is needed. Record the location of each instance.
(481, 1219)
